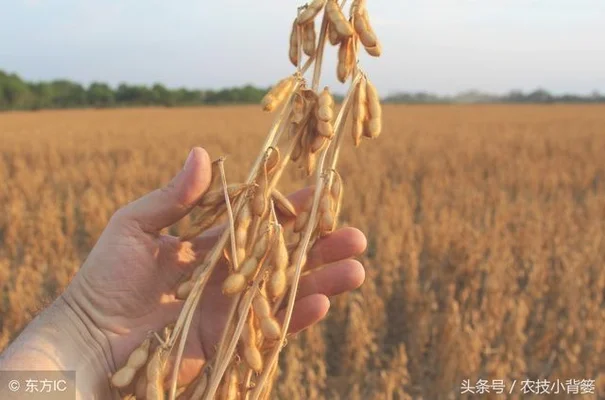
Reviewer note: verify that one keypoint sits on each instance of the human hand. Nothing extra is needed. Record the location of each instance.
(126, 286)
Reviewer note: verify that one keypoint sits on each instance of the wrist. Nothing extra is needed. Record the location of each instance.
(62, 337)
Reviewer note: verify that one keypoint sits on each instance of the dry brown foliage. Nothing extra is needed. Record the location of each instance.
(486, 229)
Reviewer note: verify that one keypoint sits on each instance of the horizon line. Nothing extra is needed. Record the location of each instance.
(390, 93)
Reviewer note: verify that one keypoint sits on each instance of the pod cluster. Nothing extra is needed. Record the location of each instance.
(267, 239)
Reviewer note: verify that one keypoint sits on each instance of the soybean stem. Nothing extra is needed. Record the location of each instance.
(234, 259)
(319, 52)
(340, 120)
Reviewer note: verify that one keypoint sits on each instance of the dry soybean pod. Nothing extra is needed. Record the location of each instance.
(262, 310)
(318, 143)
(325, 106)
(366, 36)
(326, 210)
(217, 197)
(355, 6)
(361, 23)
(276, 285)
(337, 192)
(298, 108)
(324, 113)
(298, 150)
(360, 113)
(341, 26)
(373, 46)
(310, 163)
(309, 38)
(185, 287)
(302, 217)
(278, 94)
(330, 203)
(203, 222)
(375, 51)
(282, 204)
(260, 201)
(333, 35)
(124, 376)
(241, 231)
(250, 352)
(325, 129)
(294, 43)
(374, 121)
(345, 54)
(310, 12)
(273, 158)
(234, 283)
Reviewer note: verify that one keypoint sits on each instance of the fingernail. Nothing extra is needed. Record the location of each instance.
(188, 161)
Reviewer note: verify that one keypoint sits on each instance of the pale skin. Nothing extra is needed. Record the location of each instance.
(125, 289)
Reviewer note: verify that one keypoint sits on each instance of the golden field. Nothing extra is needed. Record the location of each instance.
(485, 225)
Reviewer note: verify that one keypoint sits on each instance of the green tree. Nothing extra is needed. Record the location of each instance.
(14, 93)
(68, 94)
(134, 95)
(163, 96)
(100, 95)
(43, 95)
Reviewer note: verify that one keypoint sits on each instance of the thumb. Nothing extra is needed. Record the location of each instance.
(164, 207)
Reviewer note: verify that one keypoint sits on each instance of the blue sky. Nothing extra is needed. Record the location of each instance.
(442, 46)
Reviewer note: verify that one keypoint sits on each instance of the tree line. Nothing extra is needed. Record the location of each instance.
(18, 94)
(538, 96)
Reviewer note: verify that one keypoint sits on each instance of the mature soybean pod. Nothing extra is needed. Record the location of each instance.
(251, 354)
(124, 376)
(310, 12)
(325, 106)
(278, 93)
(282, 204)
(309, 38)
(338, 21)
(294, 43)
(346, 59)
(374, 124)
(235, 283)
(375, 51)
(277, 283)
(360, 113)
(333, 36)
